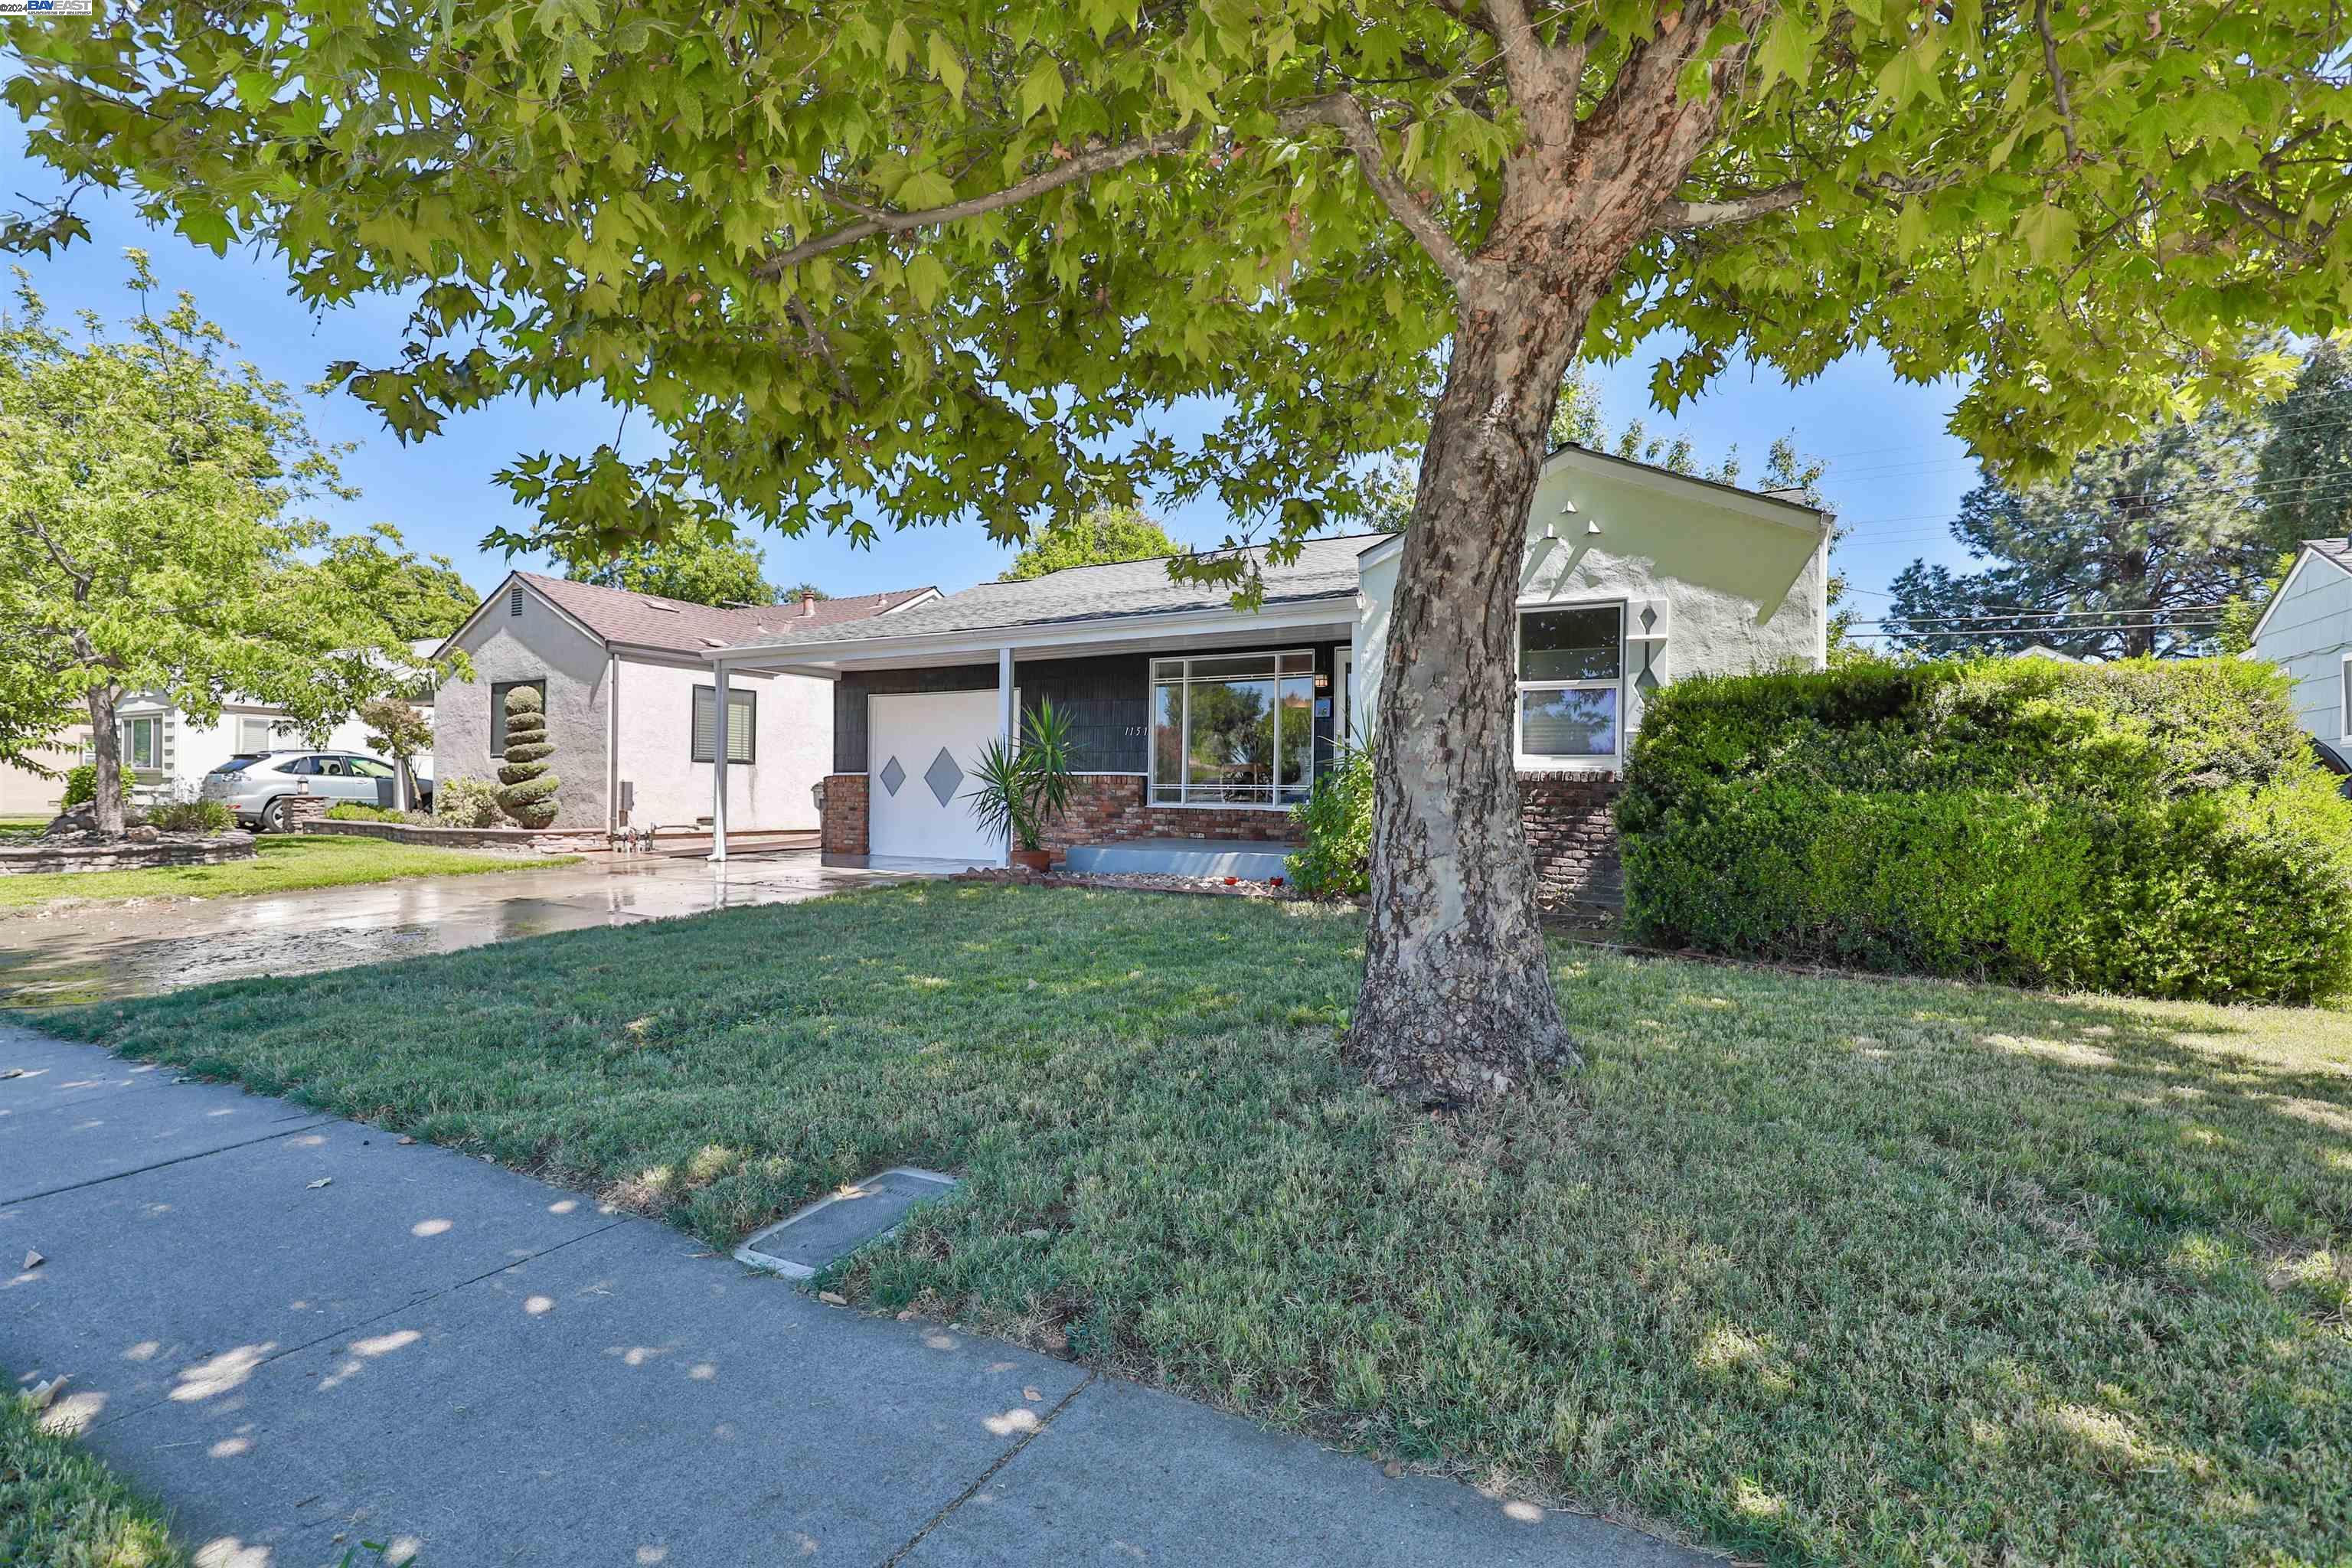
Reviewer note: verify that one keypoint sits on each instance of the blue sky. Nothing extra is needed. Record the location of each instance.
(1894, 474)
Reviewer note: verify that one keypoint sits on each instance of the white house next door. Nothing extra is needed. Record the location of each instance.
(921, 751)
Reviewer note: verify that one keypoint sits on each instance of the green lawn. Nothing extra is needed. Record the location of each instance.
(285, 862)
(58, 1506)
(1813, 1269)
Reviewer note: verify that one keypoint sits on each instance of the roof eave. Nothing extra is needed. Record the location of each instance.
(1304, 610)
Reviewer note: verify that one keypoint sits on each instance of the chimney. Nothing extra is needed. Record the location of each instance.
(808, 605)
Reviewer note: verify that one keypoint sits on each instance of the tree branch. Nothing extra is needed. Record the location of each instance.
(1680, 215)
(1338, 110)
(1079, 166)
(2057, 79)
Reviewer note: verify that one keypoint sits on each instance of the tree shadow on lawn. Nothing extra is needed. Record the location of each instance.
(1816, 1269)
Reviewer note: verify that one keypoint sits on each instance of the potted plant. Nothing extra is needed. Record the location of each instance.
(1020, 789)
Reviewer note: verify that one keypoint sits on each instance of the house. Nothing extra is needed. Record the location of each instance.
(627, 685)
(2307, 629)
(24, 792)
(166, 754)
(1197, 726)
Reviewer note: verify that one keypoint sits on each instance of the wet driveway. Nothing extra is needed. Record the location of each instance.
(81, 955)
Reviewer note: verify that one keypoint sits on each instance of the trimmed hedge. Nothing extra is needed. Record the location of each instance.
(2150, 828)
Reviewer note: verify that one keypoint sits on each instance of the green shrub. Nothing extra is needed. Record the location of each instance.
(352, 811)
(192, 816)
(466, 802)
(81, 786)
(2156, 828)
(529, 796)
(1335, 857)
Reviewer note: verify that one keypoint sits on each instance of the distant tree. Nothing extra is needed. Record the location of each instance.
(2125, 554)
(1097, 537)
(401, 733)
(697, 568)
(2307, 468)
(148, 538)
(799, 591)
(420, 596)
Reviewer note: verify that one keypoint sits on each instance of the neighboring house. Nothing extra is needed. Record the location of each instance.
(628, 689)
(1196, 722)
(2307, 629)
(167, 754)
(24, 792)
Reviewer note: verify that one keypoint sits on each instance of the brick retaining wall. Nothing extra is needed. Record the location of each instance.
(125, 854)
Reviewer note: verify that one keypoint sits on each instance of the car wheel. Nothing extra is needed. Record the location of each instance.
(273, 817)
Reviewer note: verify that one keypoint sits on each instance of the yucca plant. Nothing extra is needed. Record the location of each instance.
(1020, 789)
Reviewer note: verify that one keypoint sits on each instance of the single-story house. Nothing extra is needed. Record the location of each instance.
(2307, 628)
(167, 754)
(1197, 726)
(24, 792)
(628, 686)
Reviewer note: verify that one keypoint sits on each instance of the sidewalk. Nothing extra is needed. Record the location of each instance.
(430, 1351)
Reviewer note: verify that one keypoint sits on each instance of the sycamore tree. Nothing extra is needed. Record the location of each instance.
(886, 263)
(149, 540)
(420, 596)
(1099, 536)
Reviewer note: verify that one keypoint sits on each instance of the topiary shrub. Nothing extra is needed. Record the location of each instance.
(464, 802)
(529, 796)
(2148, 827)
(1335, 824)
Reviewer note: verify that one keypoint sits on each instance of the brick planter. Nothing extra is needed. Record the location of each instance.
(841, 811)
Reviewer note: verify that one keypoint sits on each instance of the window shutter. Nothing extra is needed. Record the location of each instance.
(705, 700)
(738, 727)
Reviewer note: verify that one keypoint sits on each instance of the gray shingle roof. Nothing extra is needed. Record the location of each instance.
(647, 620)
(2337, 550)
(1326, 568)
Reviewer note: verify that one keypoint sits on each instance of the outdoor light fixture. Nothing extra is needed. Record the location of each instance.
(1322, 681)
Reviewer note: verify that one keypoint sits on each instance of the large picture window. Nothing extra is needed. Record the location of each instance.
(1235, 729)
(742, 723)
(1572, 679)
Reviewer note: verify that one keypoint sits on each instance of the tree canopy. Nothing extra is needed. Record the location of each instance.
(695, 567)
(151, 540)
(2305, 480)
(1097, 537)
(2133, 551)
(418, 596)
(871, 266)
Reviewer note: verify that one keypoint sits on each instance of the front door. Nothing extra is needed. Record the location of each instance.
(921, 751)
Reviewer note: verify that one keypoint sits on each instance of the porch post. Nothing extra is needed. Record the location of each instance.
(1004, 718)
(718, 760)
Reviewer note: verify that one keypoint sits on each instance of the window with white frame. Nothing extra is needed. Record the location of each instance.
(1233, 729)
(742, 724)
(142, 743)
(1571, 683)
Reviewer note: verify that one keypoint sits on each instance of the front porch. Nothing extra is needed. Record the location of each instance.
(1193, 735)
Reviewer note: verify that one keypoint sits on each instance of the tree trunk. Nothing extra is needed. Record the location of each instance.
(1457, 1001)
(106, 747)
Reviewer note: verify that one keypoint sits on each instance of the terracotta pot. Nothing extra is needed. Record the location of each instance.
(1033, 859)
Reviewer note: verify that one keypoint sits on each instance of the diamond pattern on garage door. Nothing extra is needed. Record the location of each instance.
(893, 776)
(943, 775)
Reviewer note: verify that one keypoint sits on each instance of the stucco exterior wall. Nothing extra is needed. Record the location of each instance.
(793, 748)
(1743, 593)
(540, 644)
(2308, 631)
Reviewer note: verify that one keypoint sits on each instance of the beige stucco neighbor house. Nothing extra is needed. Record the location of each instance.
(630, 708)
(1199, 726)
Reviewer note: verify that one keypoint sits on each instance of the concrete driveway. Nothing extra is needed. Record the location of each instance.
(301, 1333)
(94, 954)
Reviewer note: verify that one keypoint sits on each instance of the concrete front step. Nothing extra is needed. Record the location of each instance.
(1185, 858)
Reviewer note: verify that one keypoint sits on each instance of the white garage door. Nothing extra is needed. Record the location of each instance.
(920, 751)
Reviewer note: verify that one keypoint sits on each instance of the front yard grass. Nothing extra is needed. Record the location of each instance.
(1813, 1269)
(60, 1506)
(285, 863)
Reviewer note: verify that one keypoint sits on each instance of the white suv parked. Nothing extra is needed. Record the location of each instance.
(255, 784)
